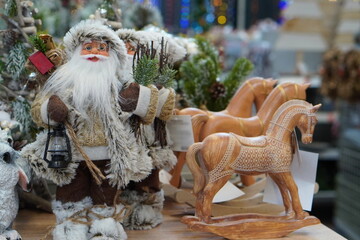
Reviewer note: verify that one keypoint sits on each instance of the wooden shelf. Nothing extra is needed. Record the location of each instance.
(34, 224)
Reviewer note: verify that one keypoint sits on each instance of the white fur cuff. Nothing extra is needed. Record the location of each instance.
(163, 95)
(44, 113)
(143, 101)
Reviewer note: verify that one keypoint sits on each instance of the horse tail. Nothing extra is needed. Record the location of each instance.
(199, 178)
(198, 122)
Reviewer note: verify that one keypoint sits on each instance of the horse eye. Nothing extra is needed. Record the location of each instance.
(7, 157)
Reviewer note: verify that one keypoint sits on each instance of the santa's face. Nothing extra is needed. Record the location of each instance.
(94, 50)
(91, 74)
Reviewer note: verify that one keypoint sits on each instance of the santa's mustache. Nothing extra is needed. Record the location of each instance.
(87, 56)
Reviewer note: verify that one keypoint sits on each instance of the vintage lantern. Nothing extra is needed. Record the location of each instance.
(58, 147)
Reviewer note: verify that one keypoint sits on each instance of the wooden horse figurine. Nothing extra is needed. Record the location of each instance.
(222, 154)
(203, 125)
(254, 90)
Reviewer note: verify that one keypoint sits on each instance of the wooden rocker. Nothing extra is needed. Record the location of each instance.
(222, 154)
(251, 202)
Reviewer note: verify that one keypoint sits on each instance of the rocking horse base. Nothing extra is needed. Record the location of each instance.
(249, 226)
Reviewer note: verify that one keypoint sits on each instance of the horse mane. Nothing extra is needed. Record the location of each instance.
(285, 106)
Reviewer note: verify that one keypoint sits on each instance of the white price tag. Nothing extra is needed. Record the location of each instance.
(303, 169)
(228, 192)
(180, 132)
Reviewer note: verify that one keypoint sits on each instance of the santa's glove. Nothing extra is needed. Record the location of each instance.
(57, 109)
(129, 96)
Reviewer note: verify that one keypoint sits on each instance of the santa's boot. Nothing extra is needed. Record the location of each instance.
(70, 219)
(107, 223)
(146, 209)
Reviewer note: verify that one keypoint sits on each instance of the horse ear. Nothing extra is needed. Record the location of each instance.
(273, 81)
(306, 85)
(316, 108)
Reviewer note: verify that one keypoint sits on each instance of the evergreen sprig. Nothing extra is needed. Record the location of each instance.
(206, 49)
(167, 77)
(10, 8)
(239, 71)
(200, 76)
(37, 43)
(146, 71)
(16, 60)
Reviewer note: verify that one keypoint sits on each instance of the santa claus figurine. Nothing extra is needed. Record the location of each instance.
(92, 96)
(147, 195)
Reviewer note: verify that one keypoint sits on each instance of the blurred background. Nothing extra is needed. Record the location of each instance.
(315, 41)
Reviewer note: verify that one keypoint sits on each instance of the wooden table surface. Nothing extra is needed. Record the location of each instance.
(34, 224)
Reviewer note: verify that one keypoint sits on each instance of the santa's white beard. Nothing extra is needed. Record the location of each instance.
(93, 84)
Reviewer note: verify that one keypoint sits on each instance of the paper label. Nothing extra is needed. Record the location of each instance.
(180, 132)
(303, 170)
(228, 192)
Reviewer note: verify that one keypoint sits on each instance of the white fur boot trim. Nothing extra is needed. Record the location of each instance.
(107, 229)
(69, 230)
(146, 213)
(66, 210)
(10, 235)
(105, 212)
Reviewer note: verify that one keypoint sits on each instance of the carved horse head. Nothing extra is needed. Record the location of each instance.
(306, 125)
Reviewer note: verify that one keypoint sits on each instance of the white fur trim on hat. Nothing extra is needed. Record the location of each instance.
(93, 29)
(175, 51)
(131, 36)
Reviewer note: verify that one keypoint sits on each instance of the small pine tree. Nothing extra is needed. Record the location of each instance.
(14, 52)
(21, 113)
(11, 8)
(200, 78)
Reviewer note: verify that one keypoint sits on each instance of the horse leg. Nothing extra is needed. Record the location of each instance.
(199, 206)
(293, 189)
(284, 194)
(247, 180)
(208, 195)
(176, 171)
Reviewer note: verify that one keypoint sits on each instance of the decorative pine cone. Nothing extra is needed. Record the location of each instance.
(217, 90)
(9, 38)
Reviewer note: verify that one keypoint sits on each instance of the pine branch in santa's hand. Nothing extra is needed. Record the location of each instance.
(166, 78)
(146, 71)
